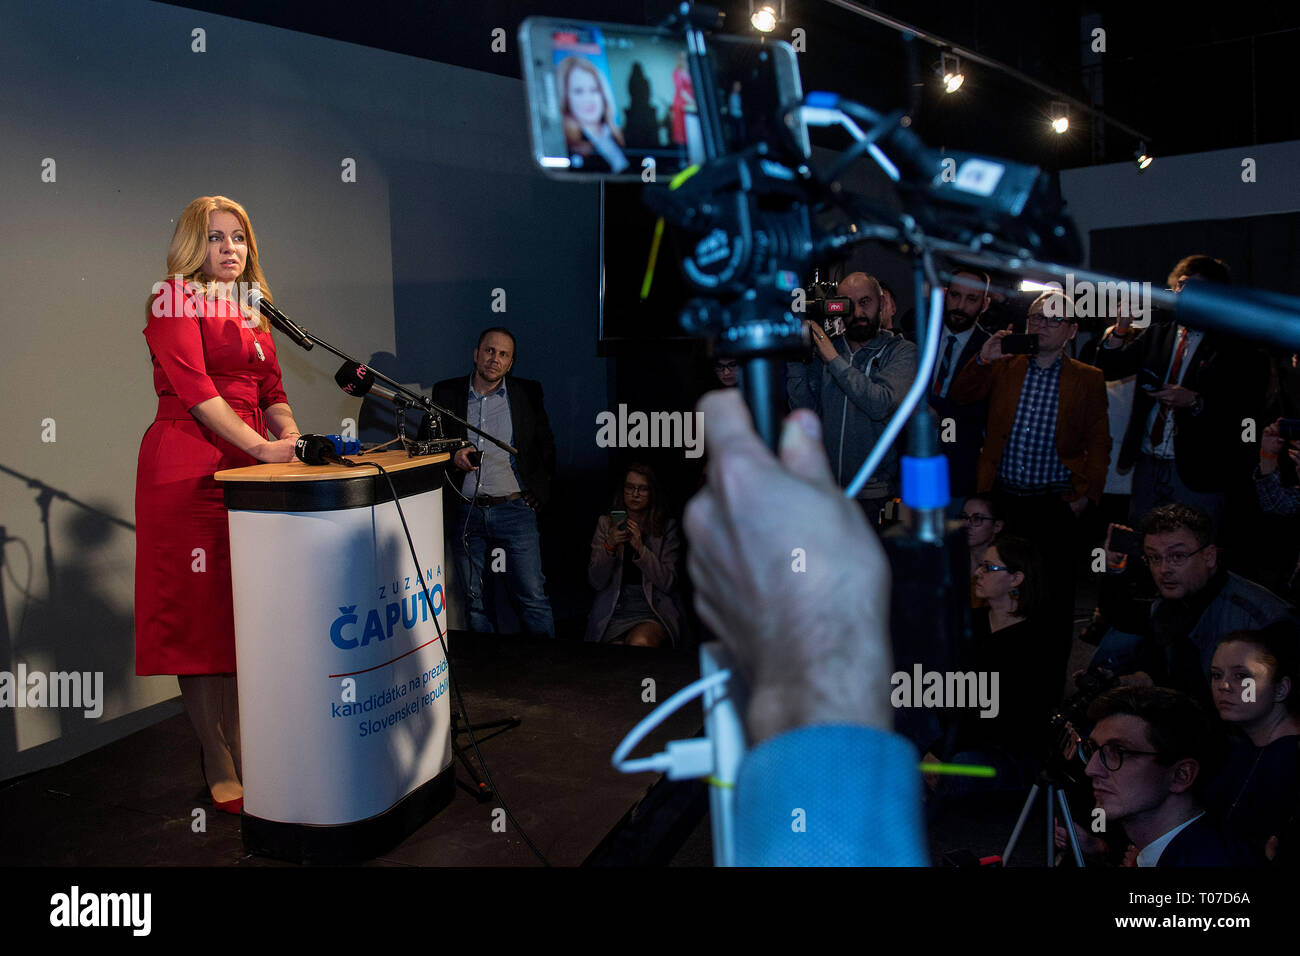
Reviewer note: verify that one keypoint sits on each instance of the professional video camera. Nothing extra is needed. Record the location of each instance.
(827, 308)
(730, 172)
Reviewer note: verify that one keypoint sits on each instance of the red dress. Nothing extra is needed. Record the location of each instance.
(184, 618)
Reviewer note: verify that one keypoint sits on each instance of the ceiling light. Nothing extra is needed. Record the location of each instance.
(765, 18)
(1060, 118)
(950, 70)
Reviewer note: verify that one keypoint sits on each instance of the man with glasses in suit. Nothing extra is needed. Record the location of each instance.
(1198, 602)
(1149, 756)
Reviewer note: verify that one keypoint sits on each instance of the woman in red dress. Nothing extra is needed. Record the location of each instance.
(683, 100)
(218, 385)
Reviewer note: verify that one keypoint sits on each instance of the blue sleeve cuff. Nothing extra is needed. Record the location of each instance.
(833, 795)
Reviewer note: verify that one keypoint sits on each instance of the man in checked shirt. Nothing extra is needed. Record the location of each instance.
(1048, 441)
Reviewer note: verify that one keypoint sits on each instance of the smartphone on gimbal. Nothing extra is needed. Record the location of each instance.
(616, 102)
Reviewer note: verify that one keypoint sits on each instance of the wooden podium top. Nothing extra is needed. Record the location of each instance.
(299, 471)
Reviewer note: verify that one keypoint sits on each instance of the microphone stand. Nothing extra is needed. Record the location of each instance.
(410, 399)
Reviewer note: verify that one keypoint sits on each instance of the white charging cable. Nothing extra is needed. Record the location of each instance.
(684, 759)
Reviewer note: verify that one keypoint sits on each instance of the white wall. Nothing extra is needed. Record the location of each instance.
(1185, 188)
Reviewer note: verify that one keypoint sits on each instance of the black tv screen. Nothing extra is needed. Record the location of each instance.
(626, 236)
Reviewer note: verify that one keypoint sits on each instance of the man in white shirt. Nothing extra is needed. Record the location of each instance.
(961, 426)
(1184, 437)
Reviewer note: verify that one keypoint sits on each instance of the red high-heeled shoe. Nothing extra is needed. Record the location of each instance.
(235, 806)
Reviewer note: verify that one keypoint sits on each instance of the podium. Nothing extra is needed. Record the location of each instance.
(343, 685)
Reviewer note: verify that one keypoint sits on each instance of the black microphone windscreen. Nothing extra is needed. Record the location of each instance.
(314, 449)
(354, 379)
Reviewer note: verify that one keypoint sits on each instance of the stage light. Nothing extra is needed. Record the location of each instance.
(765, 18)
(950, 70)
(1142, 157)
(1060, 118)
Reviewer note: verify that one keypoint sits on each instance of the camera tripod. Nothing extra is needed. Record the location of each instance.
(1056, 800)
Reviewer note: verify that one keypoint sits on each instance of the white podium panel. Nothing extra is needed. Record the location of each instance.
(343, 685)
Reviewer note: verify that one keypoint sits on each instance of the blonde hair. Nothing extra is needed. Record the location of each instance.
(572, 128)
(189, 251)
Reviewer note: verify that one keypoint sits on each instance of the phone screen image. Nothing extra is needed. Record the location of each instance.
(1149, 381)
(612, 102)
(1020, 345)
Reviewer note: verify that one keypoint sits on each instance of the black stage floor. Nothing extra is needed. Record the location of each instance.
(133, 802)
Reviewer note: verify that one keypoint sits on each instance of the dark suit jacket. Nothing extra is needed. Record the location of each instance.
(1203, 843)
(968, 420)
(535, 464)
(1082, 428)
(1208, 449)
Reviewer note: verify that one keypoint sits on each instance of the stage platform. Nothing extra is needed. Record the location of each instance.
(132, 803)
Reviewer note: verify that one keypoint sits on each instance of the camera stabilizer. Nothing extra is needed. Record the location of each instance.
(748, 218)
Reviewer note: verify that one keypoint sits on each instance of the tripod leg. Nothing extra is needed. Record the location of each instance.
(1051, 823)
(1020, 824)
(1069, 828)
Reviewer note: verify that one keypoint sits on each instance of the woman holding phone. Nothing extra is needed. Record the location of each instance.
(633, 567)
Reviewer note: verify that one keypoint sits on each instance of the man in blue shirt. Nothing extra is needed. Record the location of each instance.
(494, 527)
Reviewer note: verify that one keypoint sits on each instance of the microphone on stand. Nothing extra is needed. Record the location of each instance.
(358, 381)
(255, 300)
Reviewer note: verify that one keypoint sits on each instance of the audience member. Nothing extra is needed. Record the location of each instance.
(633, 567)
(966, 301)
(1008, 639)
(497, 506)
(1150, 755)
(983, 524)
(725, 369)
(862, 379)
(1184, 437)
(1278, 498)
(888, 309)
(1047, 444)
(1198, 603)
(1253, 677)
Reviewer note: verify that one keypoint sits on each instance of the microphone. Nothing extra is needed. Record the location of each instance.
(317, 450)
(357, 380)
(255, 300)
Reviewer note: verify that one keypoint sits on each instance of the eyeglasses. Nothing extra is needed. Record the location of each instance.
(1042, 319)
(636, 489)
(1175, 560)
(976, 520)
(725, 366)
(990, 567)
(1112, 754)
